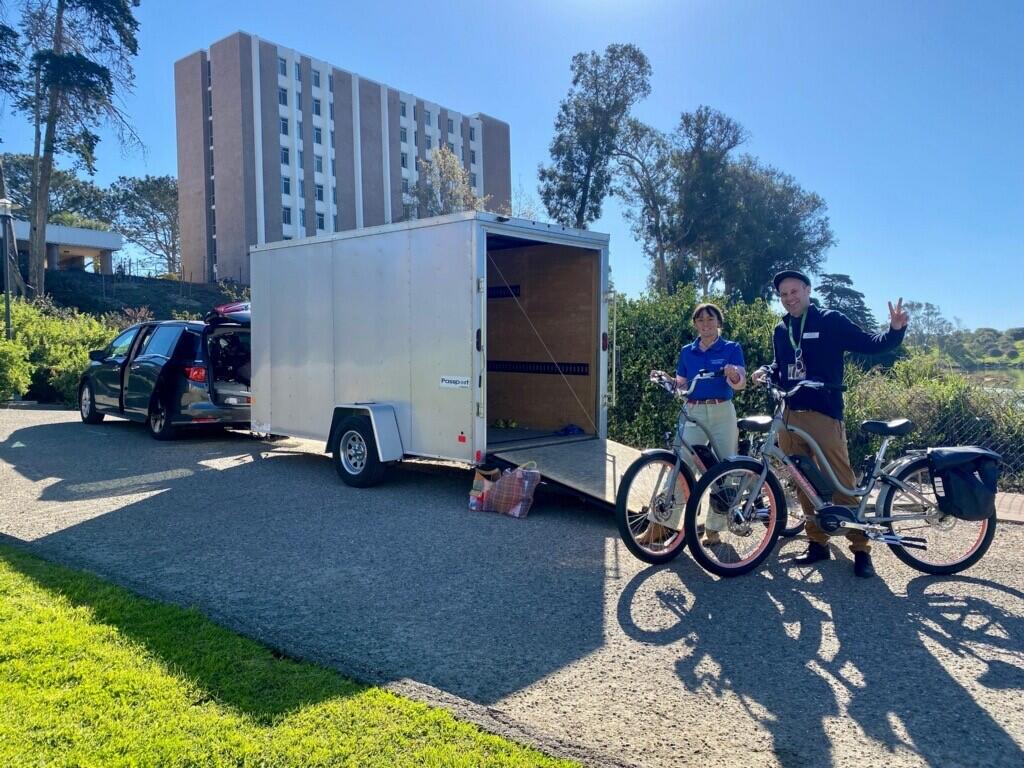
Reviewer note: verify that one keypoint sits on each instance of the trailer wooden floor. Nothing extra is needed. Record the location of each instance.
(592, 467)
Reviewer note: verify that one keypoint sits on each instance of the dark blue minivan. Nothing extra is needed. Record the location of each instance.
(174, 374)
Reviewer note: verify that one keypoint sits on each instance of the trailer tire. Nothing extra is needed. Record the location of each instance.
(355, 453)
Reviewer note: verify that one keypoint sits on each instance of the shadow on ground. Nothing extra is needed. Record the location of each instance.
(804, 655)
(398, 581)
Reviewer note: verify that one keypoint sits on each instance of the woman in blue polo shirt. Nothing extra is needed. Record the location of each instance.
(710, 402)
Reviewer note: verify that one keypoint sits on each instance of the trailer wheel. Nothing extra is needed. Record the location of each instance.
(355, 453)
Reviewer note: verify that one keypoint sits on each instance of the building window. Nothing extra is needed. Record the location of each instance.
(302, 159)
(286, 185)
(318, 135)
(298, 73)
(330, 109)
(302, 217)
(284, 156)
(472, 179)
(282, 66)
(451, 125)
(451, 147)
(332, 138)
(472, 133)
(330, 84)
(318, 163)
(334, 198)
(334, 167)
(408, 212)
(472, 156)
(287, 237)
(316, 106)
(298, 129)
(401, 108)
(298, 100)
(335, 222)
(282, 97)
(405, 186)
(316, 78)
(286, 215)
(426, 116)
(414, 111)
(319, 220)
(405, 160)
(439, 122)
(320, 192)
(284, 126)
(430, 143)
(403, 135)
(415, 138)
(302, 188)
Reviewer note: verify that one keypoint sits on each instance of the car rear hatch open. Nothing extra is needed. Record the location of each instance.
(229, 354)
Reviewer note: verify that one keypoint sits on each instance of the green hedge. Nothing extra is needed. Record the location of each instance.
(649, 333)
(52, 346)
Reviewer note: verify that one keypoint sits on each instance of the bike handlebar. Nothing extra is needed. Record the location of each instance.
(668, 383)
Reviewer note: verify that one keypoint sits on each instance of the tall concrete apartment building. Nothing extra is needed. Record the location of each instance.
(273, 144)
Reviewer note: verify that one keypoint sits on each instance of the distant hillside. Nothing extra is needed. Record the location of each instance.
(102, 293)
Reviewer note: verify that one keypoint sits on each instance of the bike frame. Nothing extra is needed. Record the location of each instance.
(770, 449)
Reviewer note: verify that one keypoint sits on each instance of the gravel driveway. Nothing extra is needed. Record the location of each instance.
(545, 629)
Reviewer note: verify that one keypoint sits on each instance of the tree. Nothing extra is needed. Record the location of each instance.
(443, 186)
(702, 202)
(928, 327)
(78, 56)
(604, 88)
(773, 224)
(68, 194)
(837, 292)
(643, 181)
(145, 211)
(525, 205)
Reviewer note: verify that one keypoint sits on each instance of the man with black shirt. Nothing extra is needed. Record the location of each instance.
(811, 343)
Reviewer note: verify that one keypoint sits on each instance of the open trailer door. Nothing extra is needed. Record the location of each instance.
(593, 467)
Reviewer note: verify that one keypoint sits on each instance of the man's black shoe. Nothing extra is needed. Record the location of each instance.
(862, 565)
(814, 553)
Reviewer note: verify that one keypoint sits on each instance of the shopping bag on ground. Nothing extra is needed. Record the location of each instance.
(483, 482)
(512, 494)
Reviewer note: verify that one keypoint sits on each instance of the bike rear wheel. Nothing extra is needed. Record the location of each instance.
(743, 544)
(953, 545)
(644, 494)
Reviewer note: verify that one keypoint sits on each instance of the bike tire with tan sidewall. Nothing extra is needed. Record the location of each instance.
(622, 502)
(693, 510)
(981, 546)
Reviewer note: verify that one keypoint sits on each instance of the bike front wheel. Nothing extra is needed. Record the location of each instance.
(725, 537)
(647, 498)
(952, 545)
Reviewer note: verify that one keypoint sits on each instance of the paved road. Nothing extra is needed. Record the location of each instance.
(545, 629)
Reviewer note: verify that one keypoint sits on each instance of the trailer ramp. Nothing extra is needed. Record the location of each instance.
(591, 467)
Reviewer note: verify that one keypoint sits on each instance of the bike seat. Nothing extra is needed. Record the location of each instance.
(893, 428)
(754, 423)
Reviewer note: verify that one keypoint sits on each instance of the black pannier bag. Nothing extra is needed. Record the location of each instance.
(964, 480)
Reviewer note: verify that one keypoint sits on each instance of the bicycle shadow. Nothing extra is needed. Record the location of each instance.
(800, 648)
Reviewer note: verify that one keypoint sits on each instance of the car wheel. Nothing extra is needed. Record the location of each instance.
(159, 419)
(87, 405)
(355, 453)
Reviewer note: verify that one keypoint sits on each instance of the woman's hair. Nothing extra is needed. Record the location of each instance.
(711, 309)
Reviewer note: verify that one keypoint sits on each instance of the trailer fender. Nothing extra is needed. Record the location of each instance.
(385, 427)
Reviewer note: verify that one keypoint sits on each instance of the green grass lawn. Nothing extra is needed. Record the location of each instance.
(93, 675)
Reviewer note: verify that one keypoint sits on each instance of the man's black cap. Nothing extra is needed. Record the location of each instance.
(790, 273)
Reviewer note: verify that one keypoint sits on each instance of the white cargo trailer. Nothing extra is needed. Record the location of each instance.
(462, 337)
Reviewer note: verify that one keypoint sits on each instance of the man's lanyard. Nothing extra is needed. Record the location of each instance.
(789, 327)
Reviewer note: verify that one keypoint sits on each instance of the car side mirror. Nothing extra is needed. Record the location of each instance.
(98, 355)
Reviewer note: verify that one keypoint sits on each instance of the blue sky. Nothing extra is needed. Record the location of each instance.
(904, 116)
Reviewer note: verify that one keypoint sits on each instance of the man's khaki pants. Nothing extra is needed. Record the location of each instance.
(830, 434)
